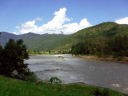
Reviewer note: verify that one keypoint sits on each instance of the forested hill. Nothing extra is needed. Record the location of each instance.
(45, 42)
(107, 29)
(104, 39)
(38, 42)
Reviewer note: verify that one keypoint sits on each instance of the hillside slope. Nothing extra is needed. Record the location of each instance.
(38, 42)
(104, 39)
(100, 32)
(107, 29)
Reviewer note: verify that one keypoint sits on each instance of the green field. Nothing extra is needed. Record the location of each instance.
(13, 87)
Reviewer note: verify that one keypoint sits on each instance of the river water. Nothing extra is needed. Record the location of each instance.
(71, 69)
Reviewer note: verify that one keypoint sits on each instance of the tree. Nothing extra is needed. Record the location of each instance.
(78, 48)
(12, 59)
(119, 45)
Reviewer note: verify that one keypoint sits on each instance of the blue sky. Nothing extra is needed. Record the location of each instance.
(39, 16)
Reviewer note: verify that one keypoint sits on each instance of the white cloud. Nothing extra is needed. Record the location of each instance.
(122, 20)
(59, 23)
(74, 27)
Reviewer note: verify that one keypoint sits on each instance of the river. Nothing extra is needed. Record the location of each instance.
(71, 69)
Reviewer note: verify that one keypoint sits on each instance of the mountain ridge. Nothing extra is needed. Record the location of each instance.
(37, 42)
(45, 42)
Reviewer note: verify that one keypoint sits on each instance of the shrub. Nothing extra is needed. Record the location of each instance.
(55, 80)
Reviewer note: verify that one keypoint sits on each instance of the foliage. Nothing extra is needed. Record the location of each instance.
(12, 57)
(78, 48)
(103, 39)
(46, 42)
(99, 92)
(36, 42)
(55, 80)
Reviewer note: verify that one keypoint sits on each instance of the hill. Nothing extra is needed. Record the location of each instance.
(96, 36)
(37, 42)
(13, 87)
(5, 36)
(104, 39)
(107, 29)
(45, 42)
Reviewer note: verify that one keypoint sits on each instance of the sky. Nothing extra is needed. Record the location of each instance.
(59, 16)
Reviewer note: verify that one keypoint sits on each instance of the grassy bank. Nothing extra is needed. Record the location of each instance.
(13, 87)
(105, 58)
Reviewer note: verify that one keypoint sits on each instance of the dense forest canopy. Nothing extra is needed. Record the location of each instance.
(104, 39)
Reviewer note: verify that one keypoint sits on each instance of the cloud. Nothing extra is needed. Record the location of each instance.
(74, 27)
(122, 20)
(59, 23)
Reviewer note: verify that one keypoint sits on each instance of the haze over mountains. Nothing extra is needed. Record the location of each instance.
(60, 41)
(36, 41)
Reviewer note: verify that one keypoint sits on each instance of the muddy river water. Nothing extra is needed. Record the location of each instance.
(71, 69)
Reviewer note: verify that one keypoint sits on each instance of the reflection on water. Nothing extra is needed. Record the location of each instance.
(71, 69)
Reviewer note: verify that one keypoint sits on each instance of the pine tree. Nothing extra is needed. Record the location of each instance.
(12, 59)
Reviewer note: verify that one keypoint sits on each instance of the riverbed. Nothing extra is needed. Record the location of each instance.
(72, 69)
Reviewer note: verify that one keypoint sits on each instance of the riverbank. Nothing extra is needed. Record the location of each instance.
(13, 87)
(105, 58)
(94, 57)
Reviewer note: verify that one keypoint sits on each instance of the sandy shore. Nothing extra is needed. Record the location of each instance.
(105, 58)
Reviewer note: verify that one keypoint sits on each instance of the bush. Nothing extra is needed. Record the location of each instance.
(98, 92)
(55, 80)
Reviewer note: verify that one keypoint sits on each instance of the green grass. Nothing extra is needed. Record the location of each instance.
(13, 87)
